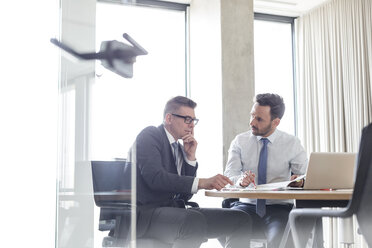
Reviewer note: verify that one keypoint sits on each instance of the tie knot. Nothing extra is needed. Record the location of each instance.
(175, 145)
(265, 141)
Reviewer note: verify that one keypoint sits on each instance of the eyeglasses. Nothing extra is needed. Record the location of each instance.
(188, 119)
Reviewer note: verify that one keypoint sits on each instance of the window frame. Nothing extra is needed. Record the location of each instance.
(151, 3)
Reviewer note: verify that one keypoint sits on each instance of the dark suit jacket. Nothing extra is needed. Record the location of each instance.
(158, 182)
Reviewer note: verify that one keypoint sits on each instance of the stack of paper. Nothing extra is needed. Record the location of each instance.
(267, 186)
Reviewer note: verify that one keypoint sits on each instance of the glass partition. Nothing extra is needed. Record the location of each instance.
(100, 114)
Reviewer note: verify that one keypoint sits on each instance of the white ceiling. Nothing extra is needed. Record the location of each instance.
(286, 7)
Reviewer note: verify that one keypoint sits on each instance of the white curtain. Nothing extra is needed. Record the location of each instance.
(334, 61)
(334, 92)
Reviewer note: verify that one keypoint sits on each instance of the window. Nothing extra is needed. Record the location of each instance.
(121, 107)
(274, 62)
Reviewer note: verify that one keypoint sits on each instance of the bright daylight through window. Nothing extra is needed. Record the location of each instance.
(274, 65)
(121, 108)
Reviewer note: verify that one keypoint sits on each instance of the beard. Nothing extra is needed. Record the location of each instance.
(262, 131)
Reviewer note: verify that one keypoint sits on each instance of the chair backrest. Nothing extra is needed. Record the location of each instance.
(116, 176)
(109, 176)
(361, 202)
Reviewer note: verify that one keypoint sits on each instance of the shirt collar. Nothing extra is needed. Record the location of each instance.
(271, 138)
(169, 136)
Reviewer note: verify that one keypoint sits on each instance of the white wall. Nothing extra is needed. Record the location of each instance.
(28, 125)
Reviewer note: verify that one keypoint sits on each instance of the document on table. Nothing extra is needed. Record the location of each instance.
(267, 186)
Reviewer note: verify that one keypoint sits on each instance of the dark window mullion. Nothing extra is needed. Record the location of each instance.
(151, 3)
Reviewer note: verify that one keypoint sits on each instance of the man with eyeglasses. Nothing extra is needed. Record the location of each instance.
(166, 179)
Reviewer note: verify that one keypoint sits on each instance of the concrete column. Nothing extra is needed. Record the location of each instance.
(237, 68)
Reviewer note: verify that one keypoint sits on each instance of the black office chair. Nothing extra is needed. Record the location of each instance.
(115, 216)
(360, 203)
(111, 176)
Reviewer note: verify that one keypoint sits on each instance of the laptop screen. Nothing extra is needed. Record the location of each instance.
(330, 170)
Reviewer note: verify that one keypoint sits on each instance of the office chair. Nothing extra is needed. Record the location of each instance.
(115, 216)
(360, 203)
(110, 176)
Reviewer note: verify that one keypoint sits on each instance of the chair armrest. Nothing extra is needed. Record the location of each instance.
(192, 204)
(315, 213)
(226, 203)
(116, 205)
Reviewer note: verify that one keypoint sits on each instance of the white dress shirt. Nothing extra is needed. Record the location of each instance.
(194, 188)
(285, 155)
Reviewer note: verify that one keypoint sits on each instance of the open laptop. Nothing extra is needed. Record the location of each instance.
(328, 170)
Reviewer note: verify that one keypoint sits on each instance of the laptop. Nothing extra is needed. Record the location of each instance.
(328, 170)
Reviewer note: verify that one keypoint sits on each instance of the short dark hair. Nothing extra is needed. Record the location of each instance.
(176, 102)
(275, 102)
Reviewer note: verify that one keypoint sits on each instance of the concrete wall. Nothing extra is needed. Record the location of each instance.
(237, 67)
(221, 71)
(221, 79)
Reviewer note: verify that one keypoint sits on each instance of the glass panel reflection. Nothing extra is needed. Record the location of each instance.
(101, 113)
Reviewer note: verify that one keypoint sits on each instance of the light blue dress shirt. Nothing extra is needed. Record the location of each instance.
(285, 155)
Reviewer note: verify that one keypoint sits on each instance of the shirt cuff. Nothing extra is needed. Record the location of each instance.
(194, 188)
(192, 163)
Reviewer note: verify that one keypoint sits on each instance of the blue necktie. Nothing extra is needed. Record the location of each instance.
(176, 157)
(262, 165)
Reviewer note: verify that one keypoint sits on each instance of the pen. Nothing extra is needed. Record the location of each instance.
(254, 184)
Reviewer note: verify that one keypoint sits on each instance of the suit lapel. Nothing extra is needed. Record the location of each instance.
(170, 165)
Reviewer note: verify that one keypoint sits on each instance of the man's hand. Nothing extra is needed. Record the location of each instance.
(217, 182)
(189, 145)
(299, 183)
(247, 179)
